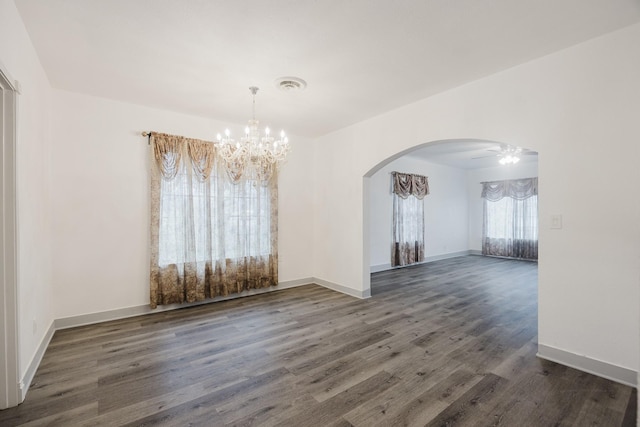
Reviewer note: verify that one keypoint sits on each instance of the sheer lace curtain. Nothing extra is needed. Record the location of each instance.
(409, 191)
(211, 234)
(511, 218)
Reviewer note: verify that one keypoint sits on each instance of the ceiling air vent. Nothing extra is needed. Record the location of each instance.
(290, 84)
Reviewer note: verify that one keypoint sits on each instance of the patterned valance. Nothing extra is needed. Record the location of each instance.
(407, 184)
(169, 151)
(518, 189)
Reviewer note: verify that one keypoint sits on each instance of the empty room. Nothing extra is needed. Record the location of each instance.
(319, 213)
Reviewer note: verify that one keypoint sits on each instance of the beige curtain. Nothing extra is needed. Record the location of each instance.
(210, 236)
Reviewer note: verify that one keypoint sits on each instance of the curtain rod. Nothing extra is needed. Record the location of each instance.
(149, 133)
(407, 173)
(503, 180)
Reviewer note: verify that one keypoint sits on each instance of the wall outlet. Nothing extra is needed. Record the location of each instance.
(556, 221)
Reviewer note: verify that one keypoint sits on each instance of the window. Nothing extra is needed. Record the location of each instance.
(210, 235)
(233, 221)
(511, 219)
(409, 191)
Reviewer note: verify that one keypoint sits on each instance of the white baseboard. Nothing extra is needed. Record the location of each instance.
(475, 252)
(25, 381)
(342, 289)
(122, 313)
(384, 267)
(583, 363)
(380, 267)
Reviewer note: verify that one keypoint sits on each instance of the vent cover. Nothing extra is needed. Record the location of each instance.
(290, 84)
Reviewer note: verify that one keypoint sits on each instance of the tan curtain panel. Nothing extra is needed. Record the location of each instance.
(210, 236)
(408, 184)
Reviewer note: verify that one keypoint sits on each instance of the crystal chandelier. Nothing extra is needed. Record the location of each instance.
(253, 156)
(510, 156)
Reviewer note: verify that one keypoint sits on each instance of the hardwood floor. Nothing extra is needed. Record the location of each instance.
(447, 343)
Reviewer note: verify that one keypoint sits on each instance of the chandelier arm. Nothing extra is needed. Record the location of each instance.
(252, 156)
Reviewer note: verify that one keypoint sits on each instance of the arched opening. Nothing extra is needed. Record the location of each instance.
(476, 311)
(454, 217)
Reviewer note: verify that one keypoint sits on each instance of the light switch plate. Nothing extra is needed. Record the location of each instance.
(556, 221)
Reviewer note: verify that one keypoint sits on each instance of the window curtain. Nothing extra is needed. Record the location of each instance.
(511, 218)
(210, 235)
(409, 191)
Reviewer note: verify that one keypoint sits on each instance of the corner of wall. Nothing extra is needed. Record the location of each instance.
(32, 367)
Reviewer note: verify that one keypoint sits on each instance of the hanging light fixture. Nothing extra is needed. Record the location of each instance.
(252, 155)
(510, 156)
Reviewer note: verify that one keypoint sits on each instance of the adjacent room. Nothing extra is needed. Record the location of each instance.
(319, 213)
(451, 210)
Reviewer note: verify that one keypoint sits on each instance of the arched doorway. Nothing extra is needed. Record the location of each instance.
(454, 213)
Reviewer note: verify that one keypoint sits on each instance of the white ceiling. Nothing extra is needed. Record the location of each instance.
(359, 57)
(467, 154)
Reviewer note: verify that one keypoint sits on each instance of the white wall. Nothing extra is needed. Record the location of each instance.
(19, 59)
(474, 179)
(445, 210)
(575, 107)
(100, 189)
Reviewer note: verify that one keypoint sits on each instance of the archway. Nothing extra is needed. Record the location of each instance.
(457, 160)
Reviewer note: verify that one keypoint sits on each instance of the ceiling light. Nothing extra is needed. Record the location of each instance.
(252, 155)
(510, 156)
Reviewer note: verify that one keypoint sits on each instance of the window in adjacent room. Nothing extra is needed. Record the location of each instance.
(511, 218)
(409, 191)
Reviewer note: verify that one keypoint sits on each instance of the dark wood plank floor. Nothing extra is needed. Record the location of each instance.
(448, 343)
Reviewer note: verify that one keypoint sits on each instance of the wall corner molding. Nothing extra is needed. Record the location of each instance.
(343, 289)
(27, 378)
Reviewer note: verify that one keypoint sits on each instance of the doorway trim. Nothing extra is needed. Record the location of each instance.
(9, 367)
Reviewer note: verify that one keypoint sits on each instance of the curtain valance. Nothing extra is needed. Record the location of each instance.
(407, 184)
(518, 189)
(169, 151)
